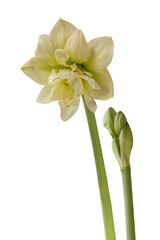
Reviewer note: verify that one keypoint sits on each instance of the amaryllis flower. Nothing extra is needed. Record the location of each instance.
(69, 67)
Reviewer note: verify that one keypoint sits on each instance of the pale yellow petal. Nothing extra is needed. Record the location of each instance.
(101, 52)
(91, 104)
(62, 75)
(89, 74)
(45, 94)
(105, 83)
(61, 56)
(68, 112)
(45, 49)
(91, 82)
(77, 47)
(37, 70)
(51, 76)
(68, 95)
(57, 92)
(76, 83)
(61, 32)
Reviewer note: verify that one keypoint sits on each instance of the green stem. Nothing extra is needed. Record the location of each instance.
(101, 173)
(128, 201)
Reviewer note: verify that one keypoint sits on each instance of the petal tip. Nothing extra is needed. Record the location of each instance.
(60, 20)
(22, 68)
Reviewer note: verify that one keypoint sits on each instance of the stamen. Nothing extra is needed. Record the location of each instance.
(66, 84)
(74, 67)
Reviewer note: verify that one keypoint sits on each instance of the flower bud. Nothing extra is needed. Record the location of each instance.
(126, 144)
(119, 122)
(108, 120)
(122, 143)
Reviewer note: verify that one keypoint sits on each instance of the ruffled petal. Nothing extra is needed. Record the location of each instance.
(61, 32)
(45, 49)
(51, 76)
(91, 82)
(61, 56)
(91, 104)
(101, 52)
(68, 112)
(105, 83)
(38, 70)
(76, 83)
(77, 47)
(61, 75)
(45, 94)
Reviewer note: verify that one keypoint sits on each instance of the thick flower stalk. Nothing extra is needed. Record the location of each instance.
(69, 67)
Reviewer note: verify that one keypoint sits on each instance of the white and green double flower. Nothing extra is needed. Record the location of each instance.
(69, 67)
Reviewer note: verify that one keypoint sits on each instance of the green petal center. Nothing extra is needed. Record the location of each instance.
(66, 69)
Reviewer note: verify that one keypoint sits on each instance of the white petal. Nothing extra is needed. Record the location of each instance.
(57, 92)
(91, 104)
(101, 52)
(67, 112)
(68, 95)
(61, 56)
(45, 94)
(61, 32)
(91, 82)
(76, 83)
(88, 74)
(37, 70)
(105, 83)
(51, 76)
(45, 49)
(63, 75)
(77, 47)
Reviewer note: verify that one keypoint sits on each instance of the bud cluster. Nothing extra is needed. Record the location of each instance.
(122, 143)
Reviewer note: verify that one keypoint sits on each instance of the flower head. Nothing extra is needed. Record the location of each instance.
(69, 67)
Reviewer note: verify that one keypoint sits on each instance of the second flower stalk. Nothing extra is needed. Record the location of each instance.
(122, 143)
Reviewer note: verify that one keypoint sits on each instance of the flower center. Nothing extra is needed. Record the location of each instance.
(76, 70)
(69, 78)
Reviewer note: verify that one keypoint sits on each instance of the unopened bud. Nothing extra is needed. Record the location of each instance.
(126, 144)
(119, 122)
(108, 120)
(118, 127)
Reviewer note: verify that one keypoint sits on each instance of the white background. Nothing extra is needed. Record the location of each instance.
(48, 183)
